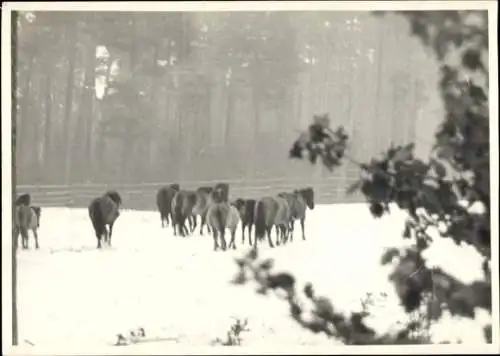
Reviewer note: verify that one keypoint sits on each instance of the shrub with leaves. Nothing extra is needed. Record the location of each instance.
(233, 335)
(450, 192)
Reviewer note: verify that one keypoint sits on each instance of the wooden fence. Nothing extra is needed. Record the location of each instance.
(142, 196)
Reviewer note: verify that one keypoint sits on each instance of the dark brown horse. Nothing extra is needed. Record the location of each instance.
(221, 216)
(27, 218)
(269, 212)
(164, 198)
(104, 210)
(182, 211)
(246, 208)
(203, 200)
(299, 201)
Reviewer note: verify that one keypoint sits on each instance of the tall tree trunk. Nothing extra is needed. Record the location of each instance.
(47, 141)
(23, 121)
(15, 121)
(72, 37)
(84, 123)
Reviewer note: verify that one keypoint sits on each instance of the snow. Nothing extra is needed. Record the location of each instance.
(177, 288)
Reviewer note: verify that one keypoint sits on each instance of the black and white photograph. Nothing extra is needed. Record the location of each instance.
(250, 177)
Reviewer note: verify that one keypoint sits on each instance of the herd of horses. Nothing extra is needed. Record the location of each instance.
(181, 208)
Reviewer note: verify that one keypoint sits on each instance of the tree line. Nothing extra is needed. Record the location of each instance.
(151, 97)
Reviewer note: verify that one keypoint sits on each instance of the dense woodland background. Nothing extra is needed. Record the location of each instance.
(191, 96)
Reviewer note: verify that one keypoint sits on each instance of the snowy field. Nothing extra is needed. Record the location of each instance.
(74, 295)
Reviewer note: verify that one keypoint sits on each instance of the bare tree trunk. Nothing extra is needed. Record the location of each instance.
(15, 325)
(24, 119)
(47, 141)
(70, 86)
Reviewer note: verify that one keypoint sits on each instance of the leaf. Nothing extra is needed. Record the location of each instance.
(472, 59)
(439, 168)
(376, 209)
(389, 255)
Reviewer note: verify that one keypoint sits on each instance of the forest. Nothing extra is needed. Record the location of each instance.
(117, 97)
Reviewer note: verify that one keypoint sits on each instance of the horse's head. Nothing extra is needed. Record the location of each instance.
(24, 199)
(114, 196)
(308, 195)
(224, 188)
(239, 204)
(175, 186)
(218, 195)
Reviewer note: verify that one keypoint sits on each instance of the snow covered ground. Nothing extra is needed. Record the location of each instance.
(74, 295)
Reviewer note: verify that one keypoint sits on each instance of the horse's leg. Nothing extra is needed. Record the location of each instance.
(24, 237)
(243, 227)
(302, 220)
(35, 234)
(277, 229)
(110, 233)
(268, 231)
(223, 238)
(99, 237)
(292, 227)
(250, 234)
(216, 244)
(194, 223)
(167, 219)
(233, 237)
(203, 218)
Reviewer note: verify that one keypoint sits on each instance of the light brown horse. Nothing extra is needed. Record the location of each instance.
(203, 200)
(27, 218)
(269, 212)
(222, 215)
(299, 200)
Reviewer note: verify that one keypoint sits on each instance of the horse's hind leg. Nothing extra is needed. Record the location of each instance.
(216, 244)
(302, 226)
(24, 238)
(223, 239)
(110, 233)
(233, 237)
(243, 227)
(277, 229)
(203, 218)
(35, 234)
(268, 230)
(250, 234)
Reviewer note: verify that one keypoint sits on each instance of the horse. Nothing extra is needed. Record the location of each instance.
(164, 198)
(27, 218)
(246, 209)
(104, 210)
(222, 215)
(299, 200)
(271, 211)
(203, 200)
(182, 209)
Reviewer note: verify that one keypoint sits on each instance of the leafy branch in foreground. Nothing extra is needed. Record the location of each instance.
(449, 193)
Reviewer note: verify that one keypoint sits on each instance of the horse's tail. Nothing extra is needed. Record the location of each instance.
(260, 219)
(177, 213)
(96, 216)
